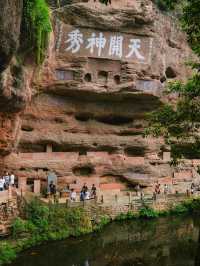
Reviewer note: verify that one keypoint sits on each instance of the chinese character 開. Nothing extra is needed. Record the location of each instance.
(75, 40)
(116, 46)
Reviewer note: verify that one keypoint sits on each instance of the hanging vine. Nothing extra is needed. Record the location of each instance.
(36, 26)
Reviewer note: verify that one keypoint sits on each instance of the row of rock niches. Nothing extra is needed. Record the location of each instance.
(84, 115)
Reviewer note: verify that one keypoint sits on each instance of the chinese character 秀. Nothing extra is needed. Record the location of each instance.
(75, 40)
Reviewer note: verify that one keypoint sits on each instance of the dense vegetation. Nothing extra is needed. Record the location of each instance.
(166, 4)
(40, 222)
(36, 26)
(180, 124)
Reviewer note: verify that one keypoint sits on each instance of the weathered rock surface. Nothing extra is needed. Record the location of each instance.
(88, 106)
(10, 21)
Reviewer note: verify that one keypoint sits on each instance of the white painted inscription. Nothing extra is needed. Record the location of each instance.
(99, 44)
(75, 39)
(135, 46)
(116, 46)
(96, 41)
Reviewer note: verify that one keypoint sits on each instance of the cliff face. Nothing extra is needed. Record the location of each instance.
(11, 81)
(107, 67)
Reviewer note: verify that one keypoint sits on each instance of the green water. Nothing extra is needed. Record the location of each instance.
(163, 242)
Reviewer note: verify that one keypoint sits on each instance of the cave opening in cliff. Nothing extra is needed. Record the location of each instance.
(116, 120)
(80, 149)
(134, 151)
(103, 77)
(84, 117)
(117, 79)
(31, 148)
(170, 73)
(116, 178)
(27, 128)
(86, 170)
(107, 148)
(88, 77)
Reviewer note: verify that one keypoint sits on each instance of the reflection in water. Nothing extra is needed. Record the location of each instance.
(163, 242)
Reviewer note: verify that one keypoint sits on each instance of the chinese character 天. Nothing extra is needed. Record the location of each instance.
(134, 46)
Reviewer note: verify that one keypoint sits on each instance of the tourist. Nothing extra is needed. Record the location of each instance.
(6, 178)
(141, 195)
(137, 188)
(154, 195)
(84, 188)
(12, 179)
(165, 189)
(73, 195)
(2, 182)
(192, 188)
(52, 188)
(82, 196)
(93, 191)
(157, 188)
(87, 195)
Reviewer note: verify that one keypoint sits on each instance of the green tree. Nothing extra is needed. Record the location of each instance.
(179, 124)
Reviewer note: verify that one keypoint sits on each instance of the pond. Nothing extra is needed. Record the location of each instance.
(171, 241)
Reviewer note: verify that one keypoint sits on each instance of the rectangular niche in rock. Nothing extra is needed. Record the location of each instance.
(64, 74)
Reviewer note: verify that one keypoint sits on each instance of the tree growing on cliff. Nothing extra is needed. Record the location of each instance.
(180, 124)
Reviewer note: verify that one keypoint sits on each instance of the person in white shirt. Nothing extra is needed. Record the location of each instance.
(6, 177)
(87, 195)
(73, 195)
(2, 182)
(12, 179)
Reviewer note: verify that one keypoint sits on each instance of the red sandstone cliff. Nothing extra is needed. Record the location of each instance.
(89, 106)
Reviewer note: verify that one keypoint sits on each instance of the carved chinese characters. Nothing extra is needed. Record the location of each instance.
(100, 44)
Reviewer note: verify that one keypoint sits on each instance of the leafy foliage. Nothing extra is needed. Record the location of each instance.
(166, 4)
(147, 212)
(36, 26)
(181, 123)
(191, 23)
(7, 253)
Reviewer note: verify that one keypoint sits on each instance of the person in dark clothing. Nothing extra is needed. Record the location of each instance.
(52, 188)
(84, 188)
(93, 191)
(82, 196)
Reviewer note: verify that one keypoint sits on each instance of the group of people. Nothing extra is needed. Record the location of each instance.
(85, 193)
(8, 179)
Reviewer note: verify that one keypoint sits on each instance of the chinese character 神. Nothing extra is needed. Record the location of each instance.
(75, 40)
(98, 42)
(135, 45)
(116, 46)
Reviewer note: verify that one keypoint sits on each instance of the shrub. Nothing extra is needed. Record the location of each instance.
(179, 209)
(18, 227)
(7, 253)
(166, 5)
(147, 212)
